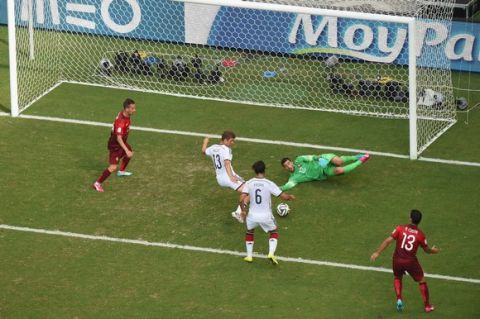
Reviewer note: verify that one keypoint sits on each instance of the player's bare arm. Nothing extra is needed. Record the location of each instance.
(382, 247)
(125, 148)
(286, 196)
(244, 199)
(431, 250)
(228, 168)
(205, 144)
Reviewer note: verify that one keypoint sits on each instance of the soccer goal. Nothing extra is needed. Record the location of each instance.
(366, 58)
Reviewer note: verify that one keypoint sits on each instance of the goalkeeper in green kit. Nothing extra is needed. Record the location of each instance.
(307, 168)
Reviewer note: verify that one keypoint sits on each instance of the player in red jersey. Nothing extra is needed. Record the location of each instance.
(117, 145)
(408, 238)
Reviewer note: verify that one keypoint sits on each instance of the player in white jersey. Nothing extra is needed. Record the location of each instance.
(221, 155)
(258, 191)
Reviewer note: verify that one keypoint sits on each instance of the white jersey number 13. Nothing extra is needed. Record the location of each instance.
(407, 242)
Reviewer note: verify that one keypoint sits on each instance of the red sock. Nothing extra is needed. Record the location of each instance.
(397, 283)
(424, 291)
(124, 163)
(274, 235)
(248, 237)
(104, 176)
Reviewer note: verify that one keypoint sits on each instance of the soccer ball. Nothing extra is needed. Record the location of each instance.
(283, 209)
(105, 67)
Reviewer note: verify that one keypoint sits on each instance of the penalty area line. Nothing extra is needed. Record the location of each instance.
(220, 251)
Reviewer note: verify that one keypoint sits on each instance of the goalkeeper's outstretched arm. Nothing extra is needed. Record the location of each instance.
(289, 185)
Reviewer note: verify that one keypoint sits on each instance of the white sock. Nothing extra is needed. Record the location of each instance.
(272, 245)
(249, 245)
(239, 210)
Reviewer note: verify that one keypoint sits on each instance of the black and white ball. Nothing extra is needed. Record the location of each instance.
(105, 67)
(283, 209)
(332, 61)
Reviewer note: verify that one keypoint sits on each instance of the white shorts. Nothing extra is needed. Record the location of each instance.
(267, 224)
(225, 181)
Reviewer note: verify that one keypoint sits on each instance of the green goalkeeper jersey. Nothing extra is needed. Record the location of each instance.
(307, 168)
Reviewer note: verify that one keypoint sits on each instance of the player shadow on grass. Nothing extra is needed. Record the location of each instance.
(3, 108)
(89, 165)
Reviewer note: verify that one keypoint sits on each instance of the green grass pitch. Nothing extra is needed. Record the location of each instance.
(46, 170)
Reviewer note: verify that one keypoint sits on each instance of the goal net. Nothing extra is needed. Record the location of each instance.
(371, 58)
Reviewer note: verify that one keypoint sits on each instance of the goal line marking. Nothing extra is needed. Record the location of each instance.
(220, 251)
(252, 140)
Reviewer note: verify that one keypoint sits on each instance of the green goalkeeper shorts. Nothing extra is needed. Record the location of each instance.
(328, 156)
(330, 169)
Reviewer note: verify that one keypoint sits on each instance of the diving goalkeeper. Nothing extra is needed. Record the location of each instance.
(307, 168)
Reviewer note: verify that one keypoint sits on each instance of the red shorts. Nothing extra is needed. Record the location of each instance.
(117, 154)
(411, 266)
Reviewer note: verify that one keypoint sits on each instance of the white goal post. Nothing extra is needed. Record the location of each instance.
(12, 56)
(357, 57)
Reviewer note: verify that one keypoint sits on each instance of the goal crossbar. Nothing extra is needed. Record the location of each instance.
(302, 10)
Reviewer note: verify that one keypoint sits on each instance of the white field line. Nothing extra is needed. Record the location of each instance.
(252, 140)
(4, 114)
(220, 251)
(453, 162)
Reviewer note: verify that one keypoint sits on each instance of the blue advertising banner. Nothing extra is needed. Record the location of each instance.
(302, 34)
(463, 46)
(166, 20)
(143, 19)
(358, 39)
(3, 12)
